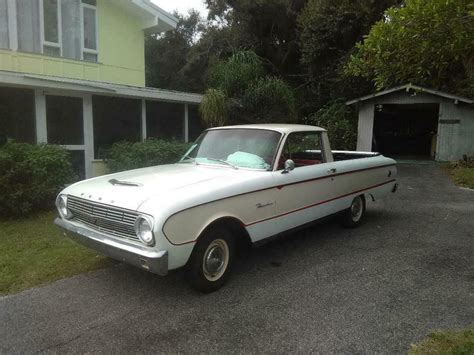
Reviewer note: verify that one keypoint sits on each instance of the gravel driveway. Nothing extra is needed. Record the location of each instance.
(406, 271)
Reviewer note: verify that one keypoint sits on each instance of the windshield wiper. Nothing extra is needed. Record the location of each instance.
(223, 162)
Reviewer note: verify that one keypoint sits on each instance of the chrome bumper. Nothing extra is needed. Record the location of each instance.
(142, 257)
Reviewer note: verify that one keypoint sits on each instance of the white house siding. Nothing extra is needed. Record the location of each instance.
(455, 131)
(365, 127)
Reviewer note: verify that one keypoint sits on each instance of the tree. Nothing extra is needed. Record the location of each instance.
(167, 63)
(269, 27)
(425, 42)
(340, 122)
(329, 31)
(241, 93)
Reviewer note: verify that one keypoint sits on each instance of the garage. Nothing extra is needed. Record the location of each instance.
(406, 130)
(411, 122)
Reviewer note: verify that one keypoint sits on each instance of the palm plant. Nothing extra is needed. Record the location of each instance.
(241, 93)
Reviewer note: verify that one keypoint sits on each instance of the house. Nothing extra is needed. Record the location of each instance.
(72, 72)
(413, 121)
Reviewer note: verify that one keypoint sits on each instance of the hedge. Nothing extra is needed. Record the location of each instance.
(126, 156)
(31, 176)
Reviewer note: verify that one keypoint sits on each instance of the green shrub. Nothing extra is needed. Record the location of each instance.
(31, 176)
(269, 100)
(340, 122)
(126, 156)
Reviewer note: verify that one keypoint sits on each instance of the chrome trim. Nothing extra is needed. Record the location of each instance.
(103, 218)
(143, 257)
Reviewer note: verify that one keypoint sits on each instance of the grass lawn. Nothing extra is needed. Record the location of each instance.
(34, 252)
(462, 176)
(446, 342)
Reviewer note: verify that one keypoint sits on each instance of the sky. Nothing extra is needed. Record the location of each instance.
(182, 6)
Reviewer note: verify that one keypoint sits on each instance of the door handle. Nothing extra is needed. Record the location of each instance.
(332, 171)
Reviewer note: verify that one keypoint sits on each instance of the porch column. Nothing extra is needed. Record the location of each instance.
(365, 127)
(88, 134)
(186, 123)
(40, 117)
(143, 124)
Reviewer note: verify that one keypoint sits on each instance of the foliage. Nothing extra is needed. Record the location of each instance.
(31, 176)
(243, 95)
(167, 57)
(268, 100)
(466, 162)
(233, 75)
(215, 107)
(126, 156)
(303, 42)
(35, 252)
(268, 27)
(446, 342)
(340, 122)
(463, 177)
(462, 172)
(425, 42)
(329, 31)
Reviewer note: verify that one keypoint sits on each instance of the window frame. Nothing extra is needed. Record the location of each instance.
(85, 50)
(59, 29)
(286, 147)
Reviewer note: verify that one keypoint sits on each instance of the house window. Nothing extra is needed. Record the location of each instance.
(61, 28)
(89, 31)
(4, 41)
(28, 26)
(51, 11)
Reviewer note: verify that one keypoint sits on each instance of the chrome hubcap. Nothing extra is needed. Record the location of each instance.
(216, 259)
(356, 209)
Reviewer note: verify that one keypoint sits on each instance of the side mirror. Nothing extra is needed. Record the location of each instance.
(289, 165)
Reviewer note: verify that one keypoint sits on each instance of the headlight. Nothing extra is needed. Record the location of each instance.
(144, 230)
(61, 204)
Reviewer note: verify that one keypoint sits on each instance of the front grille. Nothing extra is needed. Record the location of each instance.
(104, 218)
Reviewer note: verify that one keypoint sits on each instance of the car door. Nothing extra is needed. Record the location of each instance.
(304, 193)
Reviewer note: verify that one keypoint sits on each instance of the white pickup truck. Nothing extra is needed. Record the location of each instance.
(236, 184)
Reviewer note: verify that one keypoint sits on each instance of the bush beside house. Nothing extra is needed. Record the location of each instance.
(126, 155)
(31, 176)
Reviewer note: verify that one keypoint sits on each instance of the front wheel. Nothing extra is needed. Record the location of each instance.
(211, 261)
(353, 216)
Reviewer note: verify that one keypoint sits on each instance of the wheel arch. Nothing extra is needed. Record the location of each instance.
(242, 237)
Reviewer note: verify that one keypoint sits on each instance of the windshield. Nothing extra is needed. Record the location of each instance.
(237, 148)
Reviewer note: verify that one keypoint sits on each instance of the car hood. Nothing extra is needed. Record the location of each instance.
(130, 189)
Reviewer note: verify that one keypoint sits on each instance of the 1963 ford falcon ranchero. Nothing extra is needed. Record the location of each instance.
(235, 184)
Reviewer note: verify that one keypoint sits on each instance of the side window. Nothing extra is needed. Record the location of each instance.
(304, 148)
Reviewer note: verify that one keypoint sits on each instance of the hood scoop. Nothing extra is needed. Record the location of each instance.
(116, 182)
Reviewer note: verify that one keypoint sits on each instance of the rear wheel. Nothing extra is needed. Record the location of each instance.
(210, 263)
(353, 216)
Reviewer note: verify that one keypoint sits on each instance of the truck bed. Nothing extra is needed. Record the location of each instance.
(340, 155)
(310, 157)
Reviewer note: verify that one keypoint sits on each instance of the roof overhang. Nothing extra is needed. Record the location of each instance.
(63, 85)
(408, 88)
(154, 18)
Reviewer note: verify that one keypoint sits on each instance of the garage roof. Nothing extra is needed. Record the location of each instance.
(409, 87)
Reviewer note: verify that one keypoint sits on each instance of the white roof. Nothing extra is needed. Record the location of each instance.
(155, 19)
(409, 87)
(279, 127)
(95, 87)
